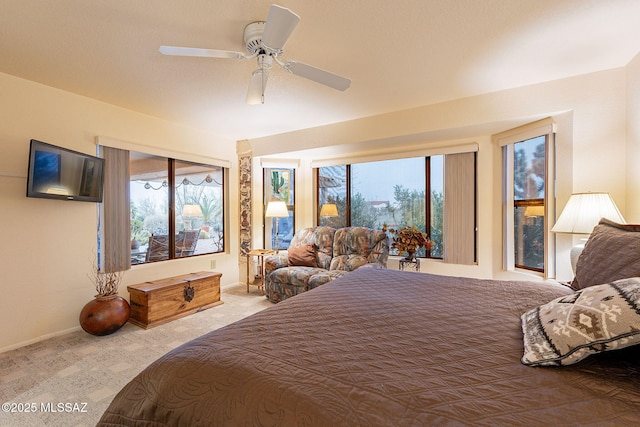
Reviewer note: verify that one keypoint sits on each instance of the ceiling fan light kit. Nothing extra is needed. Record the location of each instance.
(265, 41)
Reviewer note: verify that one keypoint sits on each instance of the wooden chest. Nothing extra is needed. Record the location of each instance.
(160, 301)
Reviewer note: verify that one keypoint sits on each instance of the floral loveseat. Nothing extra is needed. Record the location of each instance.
(317, 255)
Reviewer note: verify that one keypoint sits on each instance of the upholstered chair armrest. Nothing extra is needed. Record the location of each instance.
(376, 265)
(380, 253)
(275, 261)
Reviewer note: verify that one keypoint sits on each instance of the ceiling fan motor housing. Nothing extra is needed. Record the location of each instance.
(253, 36)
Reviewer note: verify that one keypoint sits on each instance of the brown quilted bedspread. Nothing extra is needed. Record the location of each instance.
(382, 348)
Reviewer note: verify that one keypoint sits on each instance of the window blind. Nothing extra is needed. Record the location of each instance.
(189, 157)
(269, 163)
(459, 209)
(116, 221)
(424, 152)
(528, 131)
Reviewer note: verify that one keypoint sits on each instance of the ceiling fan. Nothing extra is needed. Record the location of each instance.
(265, 41)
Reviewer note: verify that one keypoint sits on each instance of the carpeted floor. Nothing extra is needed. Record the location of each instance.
(70, 380)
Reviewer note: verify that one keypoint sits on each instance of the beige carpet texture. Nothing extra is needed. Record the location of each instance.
(71, 379)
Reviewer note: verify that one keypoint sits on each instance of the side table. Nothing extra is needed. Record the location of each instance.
(258, 280)
(410, 264)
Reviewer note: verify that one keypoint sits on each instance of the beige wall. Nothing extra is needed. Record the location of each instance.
(632, 213)
(47, 246)
(589, 110)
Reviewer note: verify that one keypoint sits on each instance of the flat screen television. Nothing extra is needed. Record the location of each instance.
(60, 173)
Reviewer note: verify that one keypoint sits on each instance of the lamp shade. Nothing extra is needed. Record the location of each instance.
(192, 211)
(329, 209)
(532, 211)
(276, 209)
(583, 212)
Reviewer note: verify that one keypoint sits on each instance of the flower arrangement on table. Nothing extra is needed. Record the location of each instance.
(408, 240)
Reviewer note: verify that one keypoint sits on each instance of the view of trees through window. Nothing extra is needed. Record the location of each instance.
(197, 199)
(279, 184)
(391, 192)
(529, 192)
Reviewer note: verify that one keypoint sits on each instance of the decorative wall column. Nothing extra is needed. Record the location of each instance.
(245, 160)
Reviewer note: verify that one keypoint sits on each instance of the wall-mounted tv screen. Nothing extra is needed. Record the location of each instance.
(60, 173)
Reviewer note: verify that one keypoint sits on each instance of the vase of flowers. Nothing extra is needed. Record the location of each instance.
(408, 240)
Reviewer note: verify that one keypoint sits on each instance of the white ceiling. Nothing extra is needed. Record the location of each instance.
(399, 54)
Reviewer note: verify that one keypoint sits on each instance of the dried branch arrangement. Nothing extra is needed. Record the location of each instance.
(105, 281)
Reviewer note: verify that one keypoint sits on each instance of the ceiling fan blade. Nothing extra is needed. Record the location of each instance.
(194, 51)
(279, 25)
(257, 85)
(317, 75)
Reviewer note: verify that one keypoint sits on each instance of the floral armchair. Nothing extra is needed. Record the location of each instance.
(318, 255)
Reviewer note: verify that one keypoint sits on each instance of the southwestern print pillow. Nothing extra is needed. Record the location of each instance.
(592, 320)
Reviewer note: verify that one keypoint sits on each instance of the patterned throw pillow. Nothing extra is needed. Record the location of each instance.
(570, 328)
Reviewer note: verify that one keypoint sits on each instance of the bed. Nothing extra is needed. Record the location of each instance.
(383, 348)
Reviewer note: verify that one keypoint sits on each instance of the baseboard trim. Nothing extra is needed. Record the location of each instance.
(38, 339)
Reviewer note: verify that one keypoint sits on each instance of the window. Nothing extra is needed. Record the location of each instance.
(528, 175)
(377, 200)
(392, 192)
(333, 195)
(436, 187)
(279, 185)
(176, 208)
(528, 203)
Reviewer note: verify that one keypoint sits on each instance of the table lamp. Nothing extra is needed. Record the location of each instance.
(276, 209)
(583, 212)
(329, 209)
(188, 213)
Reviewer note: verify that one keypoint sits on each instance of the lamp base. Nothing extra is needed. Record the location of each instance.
(575, 254)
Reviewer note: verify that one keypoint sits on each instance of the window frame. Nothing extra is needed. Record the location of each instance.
(348, 192)
(525, 203)
(267, 230)
(506, 140)
(172, 226)
(123, 246)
